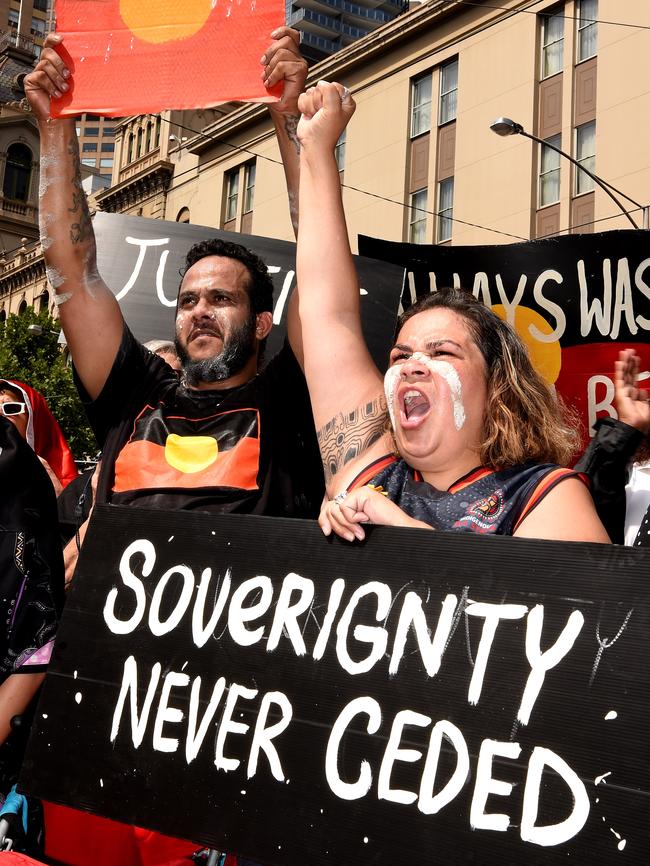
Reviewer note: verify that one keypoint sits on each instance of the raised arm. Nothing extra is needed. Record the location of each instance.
(284, 63)
(89, 314)
(346, 388)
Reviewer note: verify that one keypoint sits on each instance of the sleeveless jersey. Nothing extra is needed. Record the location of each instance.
(486, 501)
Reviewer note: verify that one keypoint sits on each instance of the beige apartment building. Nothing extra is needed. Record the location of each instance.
(419, 161)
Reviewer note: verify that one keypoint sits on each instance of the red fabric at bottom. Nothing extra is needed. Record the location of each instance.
(10, 858)
(76, 838)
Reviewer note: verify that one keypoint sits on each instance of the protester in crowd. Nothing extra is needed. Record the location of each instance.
(475, 435)
(617, 459)
(31, 416)
(229, 437)
(167, 351)
(31, 592)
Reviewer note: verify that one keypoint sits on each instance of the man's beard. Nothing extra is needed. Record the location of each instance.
(235, 354)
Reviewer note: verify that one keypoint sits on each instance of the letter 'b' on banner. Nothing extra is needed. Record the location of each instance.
(143, 56)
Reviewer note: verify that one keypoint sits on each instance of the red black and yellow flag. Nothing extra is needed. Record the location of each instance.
(143, 56)
(173, 452)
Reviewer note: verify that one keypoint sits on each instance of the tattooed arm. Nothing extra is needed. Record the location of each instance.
(283, 62)
(345, 387)
(90, 316)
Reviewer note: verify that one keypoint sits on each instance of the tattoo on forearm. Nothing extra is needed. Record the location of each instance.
(291, 128)
(347, 436)
(80, 230)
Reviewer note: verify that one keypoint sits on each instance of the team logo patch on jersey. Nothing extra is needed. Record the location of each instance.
(483, 515)
(222, 450)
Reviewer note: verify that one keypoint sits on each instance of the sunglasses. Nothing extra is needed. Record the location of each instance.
(12, 408)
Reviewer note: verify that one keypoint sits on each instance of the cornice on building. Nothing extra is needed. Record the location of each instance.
(25, 268)
(152, 179)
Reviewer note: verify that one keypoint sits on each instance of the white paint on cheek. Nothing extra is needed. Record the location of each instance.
(391, 381)
(449, 373)
(55, 277)
(62, 298)
(440, 368)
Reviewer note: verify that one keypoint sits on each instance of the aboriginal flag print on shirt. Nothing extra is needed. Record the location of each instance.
(221, 450)
(250, 449)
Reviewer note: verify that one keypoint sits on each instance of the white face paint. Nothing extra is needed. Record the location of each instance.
(440, 368)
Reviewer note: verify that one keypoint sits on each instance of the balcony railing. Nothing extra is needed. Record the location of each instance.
(12, 37)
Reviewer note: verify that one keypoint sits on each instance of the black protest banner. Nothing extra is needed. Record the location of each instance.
(245, 683)
(575, 301)
(140, 259)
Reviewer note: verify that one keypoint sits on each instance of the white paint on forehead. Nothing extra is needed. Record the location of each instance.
(440, 368)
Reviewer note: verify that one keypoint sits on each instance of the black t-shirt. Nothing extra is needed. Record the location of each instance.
(250, 449)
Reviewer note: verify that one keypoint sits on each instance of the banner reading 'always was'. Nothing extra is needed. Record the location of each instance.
(576, 301)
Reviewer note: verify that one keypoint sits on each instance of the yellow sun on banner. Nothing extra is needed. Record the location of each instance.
(546, 357)
(164, 20)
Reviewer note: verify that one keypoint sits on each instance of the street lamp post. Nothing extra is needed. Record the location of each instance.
(505, 126)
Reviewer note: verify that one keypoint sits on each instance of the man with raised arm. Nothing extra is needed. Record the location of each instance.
(228, 437)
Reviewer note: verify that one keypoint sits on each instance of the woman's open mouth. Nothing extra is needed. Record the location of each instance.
(414, 408)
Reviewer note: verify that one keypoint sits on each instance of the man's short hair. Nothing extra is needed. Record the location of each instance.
(260, 288)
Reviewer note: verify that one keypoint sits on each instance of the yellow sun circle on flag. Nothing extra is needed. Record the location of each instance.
(159, 21)
(190, 453)
(546, 357)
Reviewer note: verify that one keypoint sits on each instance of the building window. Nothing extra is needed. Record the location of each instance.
(448, 92)
(552, 44)
(147, 146)
(339, 150)
(587, 29)
(249, 187)
(89, 147)
(157, 132)
(549, 172)
(37, 27)
(183, 215)
(18, 173)
(92, 162)
(90, 130)
(585, 155)
(445, 209)
(418, 217)
(421, 105)
(138, 150)
(13, 18)
(232, 194)
(108, 147)
(109, 130)
(129, 150)
(106, 163)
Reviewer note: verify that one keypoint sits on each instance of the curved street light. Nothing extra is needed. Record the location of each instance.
(504, 126)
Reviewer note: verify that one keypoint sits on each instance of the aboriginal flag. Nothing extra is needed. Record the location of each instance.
(222, 450)
(143, 56)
